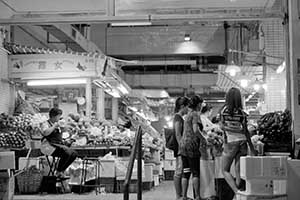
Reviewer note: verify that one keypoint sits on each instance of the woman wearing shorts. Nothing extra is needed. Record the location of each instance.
(181, 109)
(233, 121)
(189, 147)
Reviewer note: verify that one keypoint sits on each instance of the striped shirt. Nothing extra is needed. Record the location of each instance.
(232, 124)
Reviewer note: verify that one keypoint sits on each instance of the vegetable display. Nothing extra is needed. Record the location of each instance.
(276, 127)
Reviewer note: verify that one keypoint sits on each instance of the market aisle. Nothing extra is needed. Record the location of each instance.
(164, 191)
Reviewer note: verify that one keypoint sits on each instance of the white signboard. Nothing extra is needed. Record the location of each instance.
(45, 66)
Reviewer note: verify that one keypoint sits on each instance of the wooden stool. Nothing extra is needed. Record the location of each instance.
(49, 182)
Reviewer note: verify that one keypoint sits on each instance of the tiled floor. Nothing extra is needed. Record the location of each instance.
(164, 191)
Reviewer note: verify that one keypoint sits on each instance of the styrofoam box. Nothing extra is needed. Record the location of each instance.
(148, 168)
(7, 160)
(263, 167)
(246, 196)
(107, 169)
(293, 180)
(31, 162)
(170, 165)
(280, 187)
(169, 154)
(266, 187)
(156, 180)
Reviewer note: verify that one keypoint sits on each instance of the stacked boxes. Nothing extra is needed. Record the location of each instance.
(7, 184)
(169, 164)
(293, 182)
(265, 176)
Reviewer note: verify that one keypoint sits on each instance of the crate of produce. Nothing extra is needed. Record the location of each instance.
(169, 175)
(29, 181)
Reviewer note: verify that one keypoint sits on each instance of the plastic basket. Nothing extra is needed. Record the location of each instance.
(29, 181)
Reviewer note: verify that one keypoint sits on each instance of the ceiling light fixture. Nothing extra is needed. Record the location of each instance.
(187, 37)
(112, 92)
(232, 69)
(56, 82)
(281, 68)
(123, 89)
(142, 23)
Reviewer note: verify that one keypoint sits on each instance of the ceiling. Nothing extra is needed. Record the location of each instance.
(103, 11)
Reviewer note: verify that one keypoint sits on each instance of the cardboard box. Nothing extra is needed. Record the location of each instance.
(107, 168)
(31, 162)
(169, 154)
(263, 167)
(293, 181)
(148, 168)
(7, 160)
(170, 165)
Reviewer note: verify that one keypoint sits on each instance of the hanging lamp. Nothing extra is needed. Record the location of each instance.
(232, 69)
(244, 81)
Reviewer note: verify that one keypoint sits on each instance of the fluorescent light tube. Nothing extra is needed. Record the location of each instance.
(146, 23)
(123, 89)
(114, 93)
(56, 82)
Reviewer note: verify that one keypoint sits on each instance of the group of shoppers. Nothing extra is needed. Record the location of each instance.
(191, 125)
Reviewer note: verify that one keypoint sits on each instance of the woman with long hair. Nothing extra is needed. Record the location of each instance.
(181, 109)
(189, 147)
(234, 123)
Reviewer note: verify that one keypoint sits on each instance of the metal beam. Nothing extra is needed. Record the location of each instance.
(98, 18)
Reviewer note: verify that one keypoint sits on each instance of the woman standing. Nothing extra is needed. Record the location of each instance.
(234, 123)
(181, 109)
(189, 147)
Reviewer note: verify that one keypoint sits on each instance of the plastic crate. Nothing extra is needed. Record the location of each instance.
(148, 185)
(107, 188)
(169, 175)
(132, 186)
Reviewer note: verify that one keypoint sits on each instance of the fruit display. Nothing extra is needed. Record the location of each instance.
(276, 127)
(13, 139)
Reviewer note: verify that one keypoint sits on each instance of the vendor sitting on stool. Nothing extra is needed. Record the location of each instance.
(52, 142)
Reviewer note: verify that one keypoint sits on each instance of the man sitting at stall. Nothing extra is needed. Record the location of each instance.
(53, 144)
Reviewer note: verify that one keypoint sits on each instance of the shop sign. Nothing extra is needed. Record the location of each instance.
(42, 66)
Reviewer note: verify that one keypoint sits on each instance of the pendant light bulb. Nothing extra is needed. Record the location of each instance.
(256, 87)
(244, 83)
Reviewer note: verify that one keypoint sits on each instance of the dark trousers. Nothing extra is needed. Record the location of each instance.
(66, 155)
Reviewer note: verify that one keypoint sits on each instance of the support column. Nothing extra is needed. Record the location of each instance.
(115, 109)
(5, 89)
(100, 104)
(88, 96)
(294, 67)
